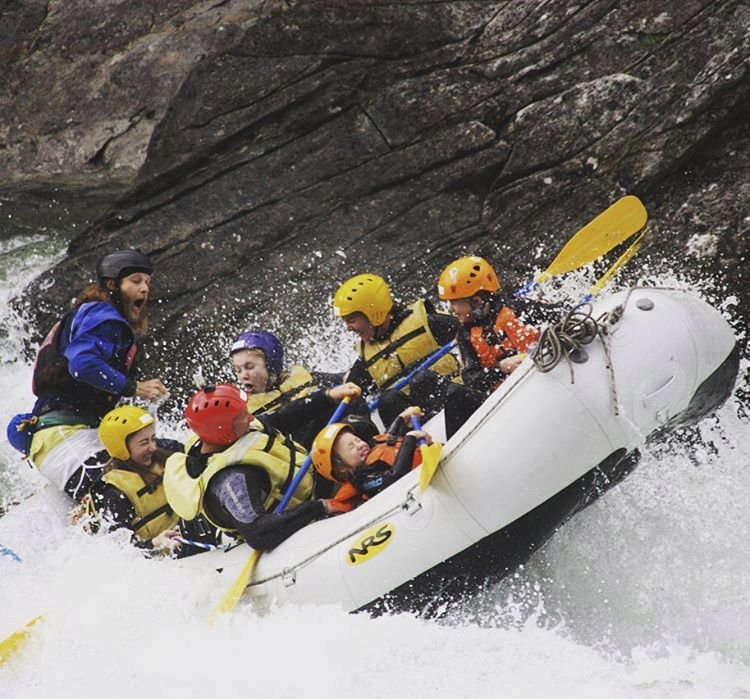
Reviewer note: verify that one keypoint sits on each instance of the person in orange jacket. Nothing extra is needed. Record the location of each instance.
(364, 468)
(493, 339)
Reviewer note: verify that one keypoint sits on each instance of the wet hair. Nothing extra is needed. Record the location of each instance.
(95, 292)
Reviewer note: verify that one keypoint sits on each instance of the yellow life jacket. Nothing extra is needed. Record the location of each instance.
(153, 514)
(411, 341)
(296, 384)
(280, 458)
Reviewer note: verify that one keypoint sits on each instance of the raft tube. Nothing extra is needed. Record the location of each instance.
(542, 447)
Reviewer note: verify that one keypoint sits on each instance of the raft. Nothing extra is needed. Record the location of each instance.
(554, 437)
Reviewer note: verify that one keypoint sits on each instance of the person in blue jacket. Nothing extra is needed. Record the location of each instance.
(84, 366)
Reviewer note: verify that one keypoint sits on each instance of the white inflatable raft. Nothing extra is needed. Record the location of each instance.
(541, 447)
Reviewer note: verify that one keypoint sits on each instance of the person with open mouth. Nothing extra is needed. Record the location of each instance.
(257, 359)
(83, 368)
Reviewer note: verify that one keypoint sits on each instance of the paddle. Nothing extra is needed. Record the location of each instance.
(5, 551)
(625, 218)
(229, 601)
(431, 454)
(619, 262)
(428, 361)
(198, 544)
(10, 645)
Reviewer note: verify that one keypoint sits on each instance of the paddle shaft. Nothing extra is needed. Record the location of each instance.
(340, 410)
(416, 424)
(5, 551)
(429, 361)
(192, 542)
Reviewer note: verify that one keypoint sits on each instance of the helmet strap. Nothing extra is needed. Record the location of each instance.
(381, 330)
(336, 465)
(480, 307)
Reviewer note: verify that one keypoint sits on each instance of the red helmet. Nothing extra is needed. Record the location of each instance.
(211, 412)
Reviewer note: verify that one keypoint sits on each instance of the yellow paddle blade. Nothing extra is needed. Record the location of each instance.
(431, 454)
(626, 217)
(10, 645)
(233, 594)
(619, 262)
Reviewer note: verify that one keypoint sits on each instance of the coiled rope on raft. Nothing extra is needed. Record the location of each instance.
(567, 338)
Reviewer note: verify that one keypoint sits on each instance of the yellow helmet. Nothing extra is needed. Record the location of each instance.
(118, 424)
(365, 293)
(322, 449)
(465, 277)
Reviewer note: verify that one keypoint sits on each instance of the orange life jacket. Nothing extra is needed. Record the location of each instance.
(348, 497)
(515, 336)
(383, 451)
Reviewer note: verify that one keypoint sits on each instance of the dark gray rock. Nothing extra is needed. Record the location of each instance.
(263, 152)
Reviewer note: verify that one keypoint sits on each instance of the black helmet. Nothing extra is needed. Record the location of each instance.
(121, 263)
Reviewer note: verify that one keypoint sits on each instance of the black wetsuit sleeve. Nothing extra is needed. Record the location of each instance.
(536, 312)
(473, 373)
(297, 413)
(171, 445)
(269, 529)
(443, 327)
(405, 457)
(325, 380)
(397, 427)
(113, 505)
(116, 511)
(359, 375)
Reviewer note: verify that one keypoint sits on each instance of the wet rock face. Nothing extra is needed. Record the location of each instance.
(267, 151)
(85, 83)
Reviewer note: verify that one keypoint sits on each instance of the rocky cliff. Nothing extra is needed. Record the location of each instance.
(262, 152)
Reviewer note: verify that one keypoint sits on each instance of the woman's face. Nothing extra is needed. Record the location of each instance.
(249, 366)
(359, 324)
(142, 445)
(351, 451)
(462, 309)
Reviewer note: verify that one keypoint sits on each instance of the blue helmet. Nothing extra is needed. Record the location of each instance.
(264, 341)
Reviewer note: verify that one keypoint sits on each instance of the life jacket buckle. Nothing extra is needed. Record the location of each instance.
(288, 577)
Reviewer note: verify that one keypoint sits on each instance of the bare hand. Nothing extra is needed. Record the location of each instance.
(165, 541)
(410, 412)
(331, 507)
(152, 390)
(421, 434)
(345, 390)
(510, 364)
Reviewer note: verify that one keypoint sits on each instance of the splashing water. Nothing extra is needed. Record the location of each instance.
(643, 594)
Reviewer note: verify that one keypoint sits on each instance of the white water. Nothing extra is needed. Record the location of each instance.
(644, 594)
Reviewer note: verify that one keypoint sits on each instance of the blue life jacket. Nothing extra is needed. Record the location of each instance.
(70, 373)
